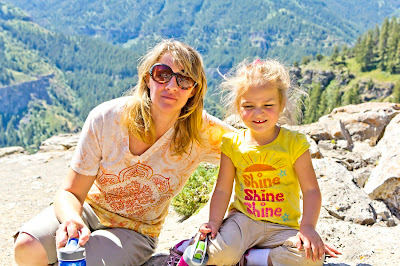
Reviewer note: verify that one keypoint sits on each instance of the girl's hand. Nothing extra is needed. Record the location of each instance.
(311, 241)
(72, 229)
(206, 228)
(331, 251)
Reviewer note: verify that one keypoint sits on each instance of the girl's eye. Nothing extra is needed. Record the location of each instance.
(247, 106)
(268, 105)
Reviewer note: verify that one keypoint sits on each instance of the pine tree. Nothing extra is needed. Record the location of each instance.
(345, 51)
(376, 35)
(333, 98)
(372, 52)
(396, 68)
(335, 53)
(351, 96)
(393, 40)
(367, 61)
(382, 47)
(359, 49)
(314, 100)
(319, 57)
(322, 105)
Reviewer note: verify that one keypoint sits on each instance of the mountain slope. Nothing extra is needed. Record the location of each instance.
(225, 32)
(370, 71)
(285, 28)
(49, 82)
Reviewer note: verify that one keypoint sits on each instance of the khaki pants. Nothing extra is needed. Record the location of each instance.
(106, 246)
(239, 233)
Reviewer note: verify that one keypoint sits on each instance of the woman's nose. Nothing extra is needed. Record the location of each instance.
(172, 84)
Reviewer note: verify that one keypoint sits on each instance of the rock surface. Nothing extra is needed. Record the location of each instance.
(384, 182)
(360, 186)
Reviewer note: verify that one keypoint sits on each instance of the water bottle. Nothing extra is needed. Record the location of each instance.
(195, 254)
(72, 254)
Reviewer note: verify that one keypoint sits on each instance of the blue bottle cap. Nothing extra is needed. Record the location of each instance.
(72, 251)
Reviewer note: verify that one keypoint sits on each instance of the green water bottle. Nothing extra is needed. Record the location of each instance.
(195, 254)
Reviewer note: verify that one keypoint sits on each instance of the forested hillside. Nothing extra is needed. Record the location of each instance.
(227, 30)
(370, 71)
(50, 80)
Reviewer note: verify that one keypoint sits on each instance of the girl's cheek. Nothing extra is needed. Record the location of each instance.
(245, 114)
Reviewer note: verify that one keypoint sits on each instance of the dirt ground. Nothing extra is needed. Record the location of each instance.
(29, 183)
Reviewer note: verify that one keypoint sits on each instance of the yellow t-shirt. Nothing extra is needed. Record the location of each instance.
(132, 191)
(266, 185)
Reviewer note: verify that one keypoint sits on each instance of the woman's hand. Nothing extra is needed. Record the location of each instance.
(311, 241)
(68, 206)
(72, 229)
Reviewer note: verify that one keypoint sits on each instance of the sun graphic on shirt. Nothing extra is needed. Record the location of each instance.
(259, 163)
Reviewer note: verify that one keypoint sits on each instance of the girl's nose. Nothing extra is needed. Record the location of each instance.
(259, 111)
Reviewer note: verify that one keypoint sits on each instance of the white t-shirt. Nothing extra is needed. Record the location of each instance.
(132, 191)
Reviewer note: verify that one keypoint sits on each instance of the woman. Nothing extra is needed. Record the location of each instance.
(134, 155)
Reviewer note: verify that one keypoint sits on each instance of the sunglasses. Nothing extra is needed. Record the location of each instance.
(162, 74)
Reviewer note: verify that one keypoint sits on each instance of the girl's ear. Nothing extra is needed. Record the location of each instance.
(283, 104)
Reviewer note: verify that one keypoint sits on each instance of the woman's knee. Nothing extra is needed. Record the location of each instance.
(28, 249)
(23, 241)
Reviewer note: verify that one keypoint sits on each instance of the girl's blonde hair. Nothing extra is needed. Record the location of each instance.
(259, 73)
(137, 116)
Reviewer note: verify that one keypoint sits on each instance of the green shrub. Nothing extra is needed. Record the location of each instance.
(197, 190)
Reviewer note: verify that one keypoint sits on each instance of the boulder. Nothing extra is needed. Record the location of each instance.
(346, 201)
(60, 142)
(384, 182)
(382, 212)
(365, 121)
(361, 176)
(316, 131)
(11, 150)
(314, 150)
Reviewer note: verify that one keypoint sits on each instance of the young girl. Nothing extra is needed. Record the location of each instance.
(270, 165)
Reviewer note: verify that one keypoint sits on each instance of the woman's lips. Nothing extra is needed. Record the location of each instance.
(169, 97)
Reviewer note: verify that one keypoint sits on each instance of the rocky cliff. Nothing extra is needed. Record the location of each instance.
(15, 99)
(368, 89)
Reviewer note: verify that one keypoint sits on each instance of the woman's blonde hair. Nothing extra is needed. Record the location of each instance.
(268, 73)
(137, 116)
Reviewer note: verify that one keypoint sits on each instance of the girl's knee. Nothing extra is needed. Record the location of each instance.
(225, 256)
(284, 255)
